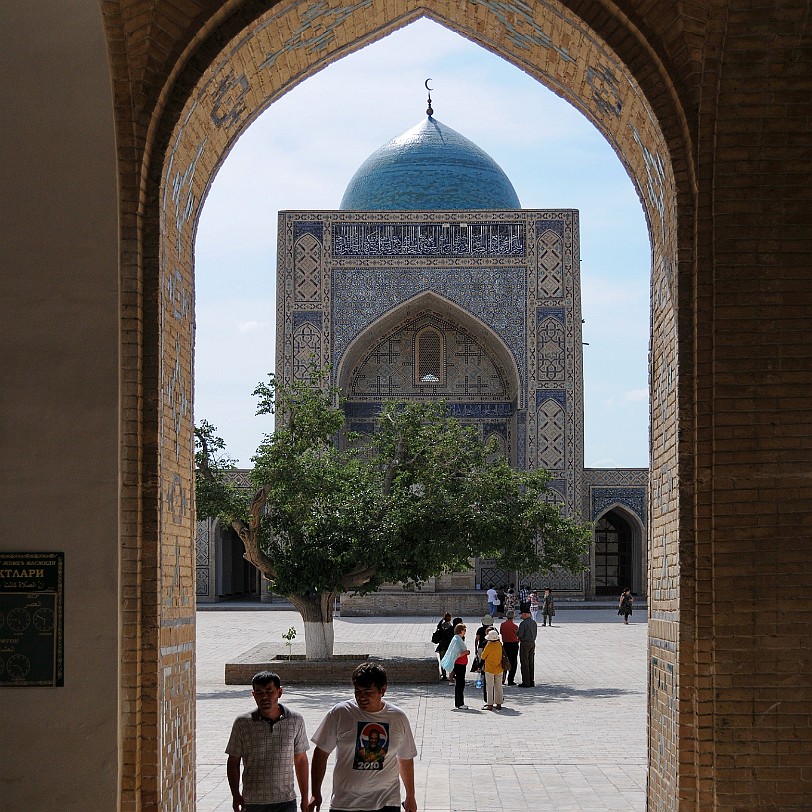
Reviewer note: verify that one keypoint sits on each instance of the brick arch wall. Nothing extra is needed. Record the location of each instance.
(216, 96)
(714, 183)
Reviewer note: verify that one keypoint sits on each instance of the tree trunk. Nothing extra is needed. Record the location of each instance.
(317, 614)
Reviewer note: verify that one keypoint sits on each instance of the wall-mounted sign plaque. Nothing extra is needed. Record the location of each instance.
(31, 609)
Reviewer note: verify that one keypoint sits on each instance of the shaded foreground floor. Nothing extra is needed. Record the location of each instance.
(575, 743)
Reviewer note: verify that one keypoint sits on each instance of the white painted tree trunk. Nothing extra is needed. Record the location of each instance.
(318, 640)
(317, 614)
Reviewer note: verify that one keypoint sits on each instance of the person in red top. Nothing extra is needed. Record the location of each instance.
(510, 642)
(458, 650)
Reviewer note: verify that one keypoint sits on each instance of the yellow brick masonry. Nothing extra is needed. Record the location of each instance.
(713, 128)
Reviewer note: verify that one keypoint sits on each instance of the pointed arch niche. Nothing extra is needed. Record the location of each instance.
(431, 349)
(618, 552)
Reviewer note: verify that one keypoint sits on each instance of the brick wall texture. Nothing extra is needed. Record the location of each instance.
(708, 104)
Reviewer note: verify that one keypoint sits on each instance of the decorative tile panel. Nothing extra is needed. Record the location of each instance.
(469, 370)
(307, 269)
(551, 427)
(429, 239)
(630, 497)
(550, 258)
(495, 296)
(561, 580)
(306, 349)
(313, 227)
(313, 317)
(551, 354)
(354, 409)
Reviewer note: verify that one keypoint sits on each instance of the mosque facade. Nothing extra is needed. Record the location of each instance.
(432, 283)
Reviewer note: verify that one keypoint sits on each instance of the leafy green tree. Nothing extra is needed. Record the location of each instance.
(422, 495)
(215, 495)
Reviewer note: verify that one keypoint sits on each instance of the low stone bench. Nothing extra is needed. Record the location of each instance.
(296, 670)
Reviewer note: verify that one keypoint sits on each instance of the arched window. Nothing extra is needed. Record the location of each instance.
(613, 555)
(429, 357)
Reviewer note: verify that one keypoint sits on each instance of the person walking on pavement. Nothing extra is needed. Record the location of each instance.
(527, 632)
(624, 606)
(456, 662)
(374, 746)
(271, 742)
(492, 666)
(510, 642)
(547, 607)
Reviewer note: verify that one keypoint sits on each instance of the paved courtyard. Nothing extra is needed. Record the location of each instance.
(575, 743)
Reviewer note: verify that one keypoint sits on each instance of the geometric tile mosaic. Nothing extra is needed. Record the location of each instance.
(633, 498)
(550, 279)
(468, 370)
(307, 269)
(496, 296)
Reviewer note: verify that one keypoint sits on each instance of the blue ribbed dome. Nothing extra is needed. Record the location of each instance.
(430, 167)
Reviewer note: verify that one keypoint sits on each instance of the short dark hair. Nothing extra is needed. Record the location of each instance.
(265, 678)
(456, 621)
(368, 674)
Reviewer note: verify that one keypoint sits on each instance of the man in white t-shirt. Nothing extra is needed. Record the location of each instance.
(493, 606)
(374, 747)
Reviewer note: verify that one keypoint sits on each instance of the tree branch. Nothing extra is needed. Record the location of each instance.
(357, 577)
(204, 468)
(249, 534)
(391, 467)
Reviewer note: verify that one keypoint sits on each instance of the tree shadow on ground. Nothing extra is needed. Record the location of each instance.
(543, 692)
(327, 694)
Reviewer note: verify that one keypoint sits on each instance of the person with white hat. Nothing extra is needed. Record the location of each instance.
(492, 666)
(479, 645)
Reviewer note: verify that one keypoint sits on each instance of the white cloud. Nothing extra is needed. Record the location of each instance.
(603, 462)
(636, 395)
(251, 326)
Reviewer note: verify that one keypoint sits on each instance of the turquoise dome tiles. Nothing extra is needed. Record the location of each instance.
(428, 168)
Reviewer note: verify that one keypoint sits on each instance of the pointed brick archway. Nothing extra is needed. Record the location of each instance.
(229, 77)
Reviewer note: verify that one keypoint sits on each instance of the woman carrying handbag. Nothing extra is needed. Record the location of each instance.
(492, 660)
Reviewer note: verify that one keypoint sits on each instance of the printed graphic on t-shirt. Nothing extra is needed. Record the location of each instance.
(371, 745)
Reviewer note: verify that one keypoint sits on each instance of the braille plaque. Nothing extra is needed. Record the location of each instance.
(31, 609)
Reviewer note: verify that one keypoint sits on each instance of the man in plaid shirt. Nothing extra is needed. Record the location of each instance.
(271, 741)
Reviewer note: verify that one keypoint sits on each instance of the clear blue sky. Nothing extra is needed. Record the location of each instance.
(302, 152)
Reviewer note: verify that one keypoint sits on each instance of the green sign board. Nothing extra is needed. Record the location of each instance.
(31, 619)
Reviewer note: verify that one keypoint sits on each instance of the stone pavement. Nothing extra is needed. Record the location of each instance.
(575, 743)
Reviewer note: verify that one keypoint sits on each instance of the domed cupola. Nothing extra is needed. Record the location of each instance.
(428, 168)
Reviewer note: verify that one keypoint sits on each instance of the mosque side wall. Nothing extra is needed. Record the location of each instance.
(59, 401)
